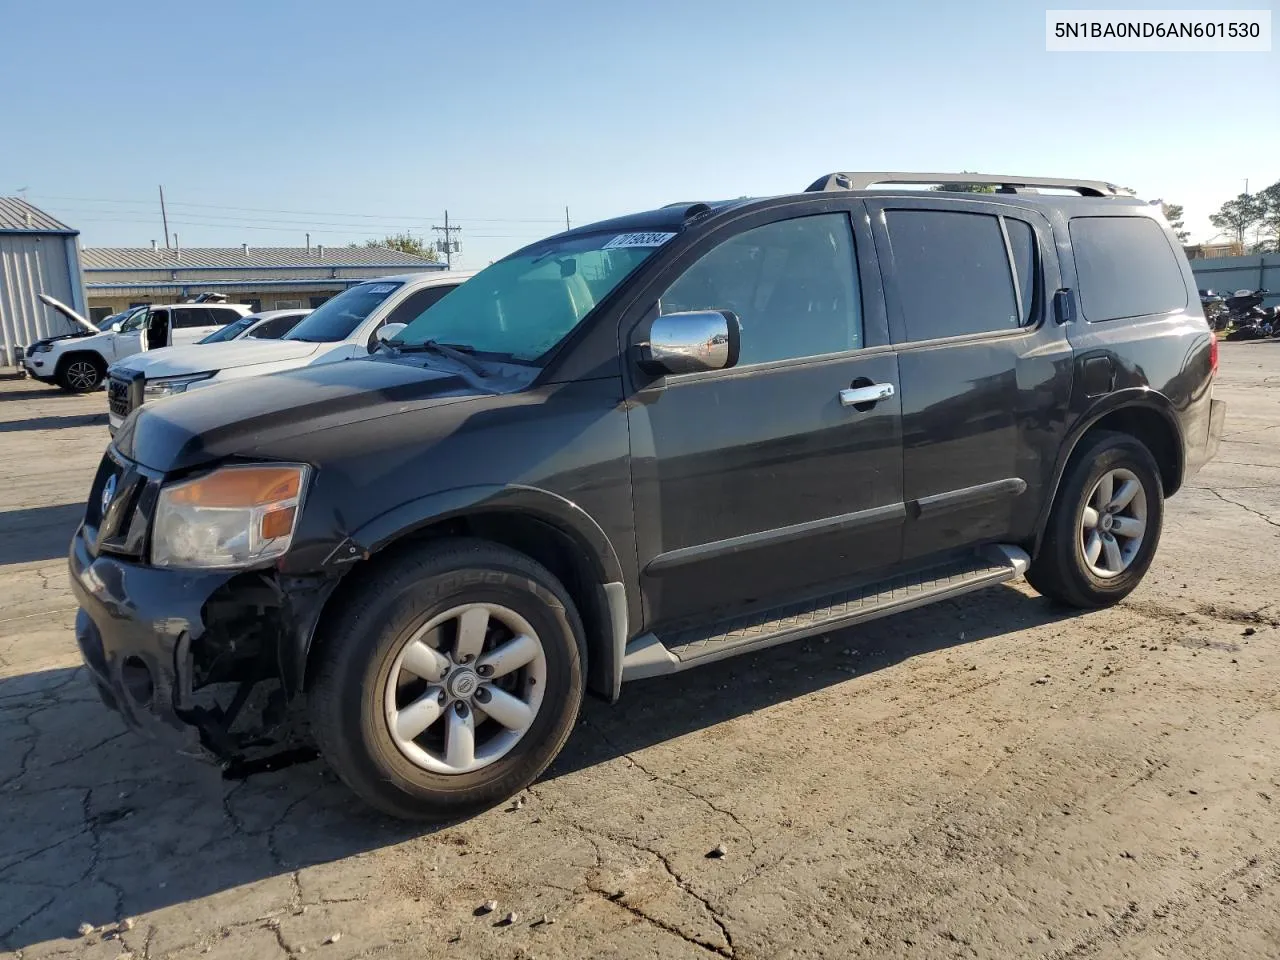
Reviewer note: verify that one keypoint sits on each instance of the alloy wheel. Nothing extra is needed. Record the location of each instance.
(82, 375)
(465, 688)
(1113, 523)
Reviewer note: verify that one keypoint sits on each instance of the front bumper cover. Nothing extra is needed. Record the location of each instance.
(190, 658)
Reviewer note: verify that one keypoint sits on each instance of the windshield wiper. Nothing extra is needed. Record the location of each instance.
(454, 351)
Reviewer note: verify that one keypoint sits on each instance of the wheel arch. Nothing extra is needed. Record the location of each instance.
(70, 355)
(1143, 414)
(544, 526)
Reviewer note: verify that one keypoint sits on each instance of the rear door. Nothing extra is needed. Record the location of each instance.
(757, 484)
(985, 369)
(193, 324)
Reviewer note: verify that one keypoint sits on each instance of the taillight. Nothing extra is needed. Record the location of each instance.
(1213, 352)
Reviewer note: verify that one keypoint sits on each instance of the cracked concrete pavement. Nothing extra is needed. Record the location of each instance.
(908, 789)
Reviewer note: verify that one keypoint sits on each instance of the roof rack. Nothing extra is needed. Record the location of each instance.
(1003, 184)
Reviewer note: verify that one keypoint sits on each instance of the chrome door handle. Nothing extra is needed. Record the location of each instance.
(855, 395)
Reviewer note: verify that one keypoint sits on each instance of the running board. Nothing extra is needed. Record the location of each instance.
(648, 656)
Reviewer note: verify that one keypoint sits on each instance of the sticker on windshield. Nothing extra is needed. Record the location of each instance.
(638, 240)
(379, 287)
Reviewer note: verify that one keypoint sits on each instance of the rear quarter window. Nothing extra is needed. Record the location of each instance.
(1125, 267)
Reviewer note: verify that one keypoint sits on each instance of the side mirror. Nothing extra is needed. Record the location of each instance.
(115, 327)
(692, 342)
(389, 331)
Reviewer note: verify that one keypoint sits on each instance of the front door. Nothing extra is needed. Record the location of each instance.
(985, 371)
(757, 484)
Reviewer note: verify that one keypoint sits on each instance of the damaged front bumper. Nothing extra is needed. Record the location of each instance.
(203, 660)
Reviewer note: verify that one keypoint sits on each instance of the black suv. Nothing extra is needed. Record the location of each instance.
(640, 446)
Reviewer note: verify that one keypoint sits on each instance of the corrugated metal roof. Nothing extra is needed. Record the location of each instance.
(144, 258)
(17, 214)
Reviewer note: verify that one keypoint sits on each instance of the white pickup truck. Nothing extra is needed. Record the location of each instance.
(78, 362)
(346, 326)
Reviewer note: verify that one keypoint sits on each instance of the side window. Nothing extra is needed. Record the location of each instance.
(416, 304)
(223, 317)
(793, 285)
(1022, 246)
(275, 328)
(952, 273)
(185, 318)
(1125, 267)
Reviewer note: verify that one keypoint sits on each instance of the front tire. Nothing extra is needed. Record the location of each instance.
(81, 373)
(1105, 525)
(449, 680)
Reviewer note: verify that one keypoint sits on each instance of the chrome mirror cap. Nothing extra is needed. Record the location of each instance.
(692, 342)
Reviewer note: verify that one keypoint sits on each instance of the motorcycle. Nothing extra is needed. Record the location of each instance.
(1244, 307)
(1215, 309)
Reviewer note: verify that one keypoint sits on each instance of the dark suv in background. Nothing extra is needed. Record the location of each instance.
(640, 446)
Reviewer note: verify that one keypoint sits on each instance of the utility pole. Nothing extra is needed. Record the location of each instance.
(566, 219)
(448, 244)
(164, 217)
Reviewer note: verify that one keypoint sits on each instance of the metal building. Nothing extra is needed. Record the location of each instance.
(38, 254)
(266, 278)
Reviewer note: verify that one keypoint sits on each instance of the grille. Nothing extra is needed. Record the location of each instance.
(118, 393)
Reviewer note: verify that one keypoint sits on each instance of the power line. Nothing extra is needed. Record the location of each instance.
(356, 230)
(399, 218)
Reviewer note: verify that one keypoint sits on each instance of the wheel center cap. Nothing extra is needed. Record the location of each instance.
(461, 684)
(1107, 522)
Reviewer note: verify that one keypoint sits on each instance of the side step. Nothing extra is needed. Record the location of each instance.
(648, 656)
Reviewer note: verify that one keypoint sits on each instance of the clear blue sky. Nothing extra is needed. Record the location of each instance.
(507, 112)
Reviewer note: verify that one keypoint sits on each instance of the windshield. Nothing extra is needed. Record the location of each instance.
(230, 331)
(523, 305)
(337, 318)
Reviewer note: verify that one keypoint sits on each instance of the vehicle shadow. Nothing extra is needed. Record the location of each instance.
(85, 798)
(38, 533)
(54, 423)
(38, 393)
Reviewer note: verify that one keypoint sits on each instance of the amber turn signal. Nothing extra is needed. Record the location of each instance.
(238, 487)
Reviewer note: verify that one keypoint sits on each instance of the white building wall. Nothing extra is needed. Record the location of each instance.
(31, 264)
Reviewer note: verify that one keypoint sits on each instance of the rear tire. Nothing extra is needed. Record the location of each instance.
(1096, 548)
(81, 373)
(370, 691)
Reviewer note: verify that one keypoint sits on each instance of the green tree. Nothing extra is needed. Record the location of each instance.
(1270, 200)
(965, 187)
(1173, 213)
(407, 243)
(1238, 215)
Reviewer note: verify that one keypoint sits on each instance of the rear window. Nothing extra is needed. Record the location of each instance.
(1125, 268)
(953, 274)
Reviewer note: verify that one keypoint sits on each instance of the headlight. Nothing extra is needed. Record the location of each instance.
(233, 517)
(42, 348)
(168, 386)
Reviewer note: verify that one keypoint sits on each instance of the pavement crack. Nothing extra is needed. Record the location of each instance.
(1243, 506)
(31, 855)
(618, 899)
(5, 935)
(710, 804)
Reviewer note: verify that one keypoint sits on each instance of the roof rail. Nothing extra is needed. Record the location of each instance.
(1003, 184)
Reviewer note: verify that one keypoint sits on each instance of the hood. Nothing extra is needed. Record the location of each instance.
(200, 357)
(63, 336)
(242, 417)
(77, 321)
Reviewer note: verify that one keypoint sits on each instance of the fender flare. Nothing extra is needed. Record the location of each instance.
(390, 526)
(1132, 398)
(68, 354)
(386, 528)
